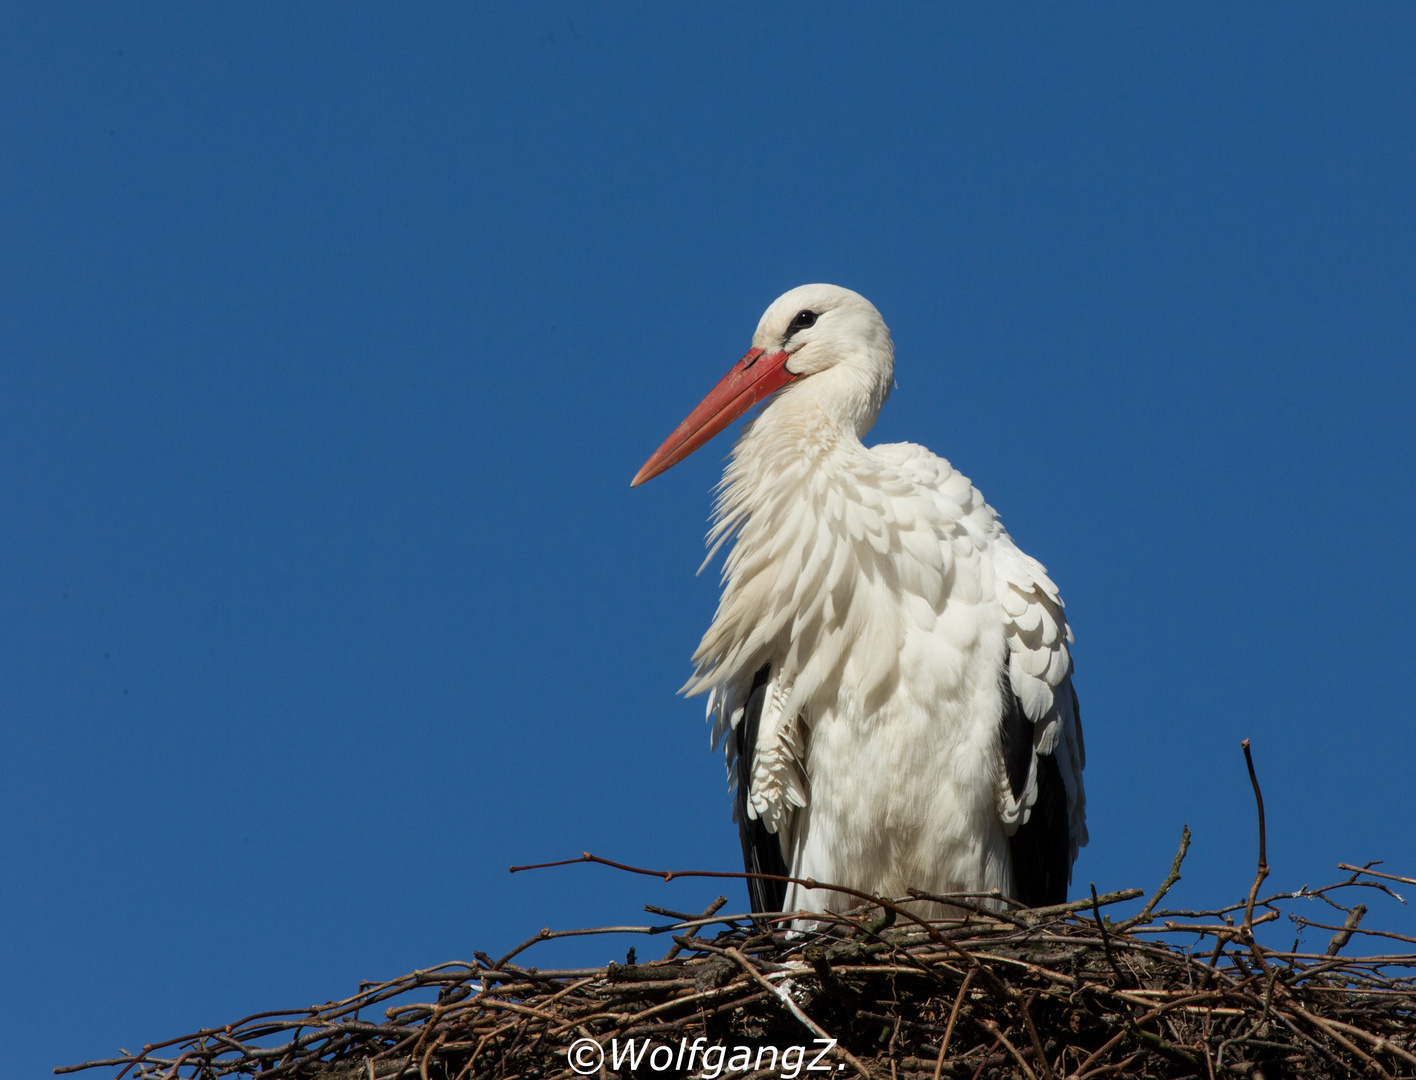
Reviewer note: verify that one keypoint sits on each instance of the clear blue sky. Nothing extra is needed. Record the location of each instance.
(331, 336)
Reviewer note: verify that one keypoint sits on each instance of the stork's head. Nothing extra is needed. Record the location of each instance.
(829, 342)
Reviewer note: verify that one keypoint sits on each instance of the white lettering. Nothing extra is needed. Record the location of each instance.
(617, 1059)
(787, 1063)
(693, 1051)
(713, 1061)
(813, 1067)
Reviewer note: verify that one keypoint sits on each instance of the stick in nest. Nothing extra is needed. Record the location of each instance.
(1263, 869)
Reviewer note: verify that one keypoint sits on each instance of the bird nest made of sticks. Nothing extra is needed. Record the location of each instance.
(1065, 991)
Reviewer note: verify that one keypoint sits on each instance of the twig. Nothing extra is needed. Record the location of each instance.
(1343, 936)
(1354, 929)
(1042, 1061)
(949, 1029)
(1106, 939)
(795, 1009)
(1165, 886)
(1263, 868)
(669, 875)
(1035, 915)
(994, 1030)
(1377, 873)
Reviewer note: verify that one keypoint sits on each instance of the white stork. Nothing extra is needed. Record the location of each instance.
(890, 673)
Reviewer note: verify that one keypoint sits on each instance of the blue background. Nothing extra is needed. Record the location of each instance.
(331, 335)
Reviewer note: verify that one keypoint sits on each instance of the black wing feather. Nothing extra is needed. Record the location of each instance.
(1042, 846)
(761, 852)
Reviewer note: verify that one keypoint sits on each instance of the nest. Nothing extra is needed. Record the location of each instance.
(880, 991)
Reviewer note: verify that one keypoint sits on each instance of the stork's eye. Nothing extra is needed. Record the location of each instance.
(803, 320)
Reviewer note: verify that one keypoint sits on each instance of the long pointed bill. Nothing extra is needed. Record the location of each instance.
(750, 380)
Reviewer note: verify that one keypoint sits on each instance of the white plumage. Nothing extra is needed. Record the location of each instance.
(912, 665)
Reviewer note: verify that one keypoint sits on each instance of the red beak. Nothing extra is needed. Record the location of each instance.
(750, 380)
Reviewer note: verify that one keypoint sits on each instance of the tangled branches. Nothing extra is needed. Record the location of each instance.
(881, 991)
(1041, 994)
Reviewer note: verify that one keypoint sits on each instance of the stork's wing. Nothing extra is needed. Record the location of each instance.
(1044, 807)
(761, 850)
(1043, 847)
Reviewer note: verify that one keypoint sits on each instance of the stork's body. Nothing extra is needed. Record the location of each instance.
(891, 675)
